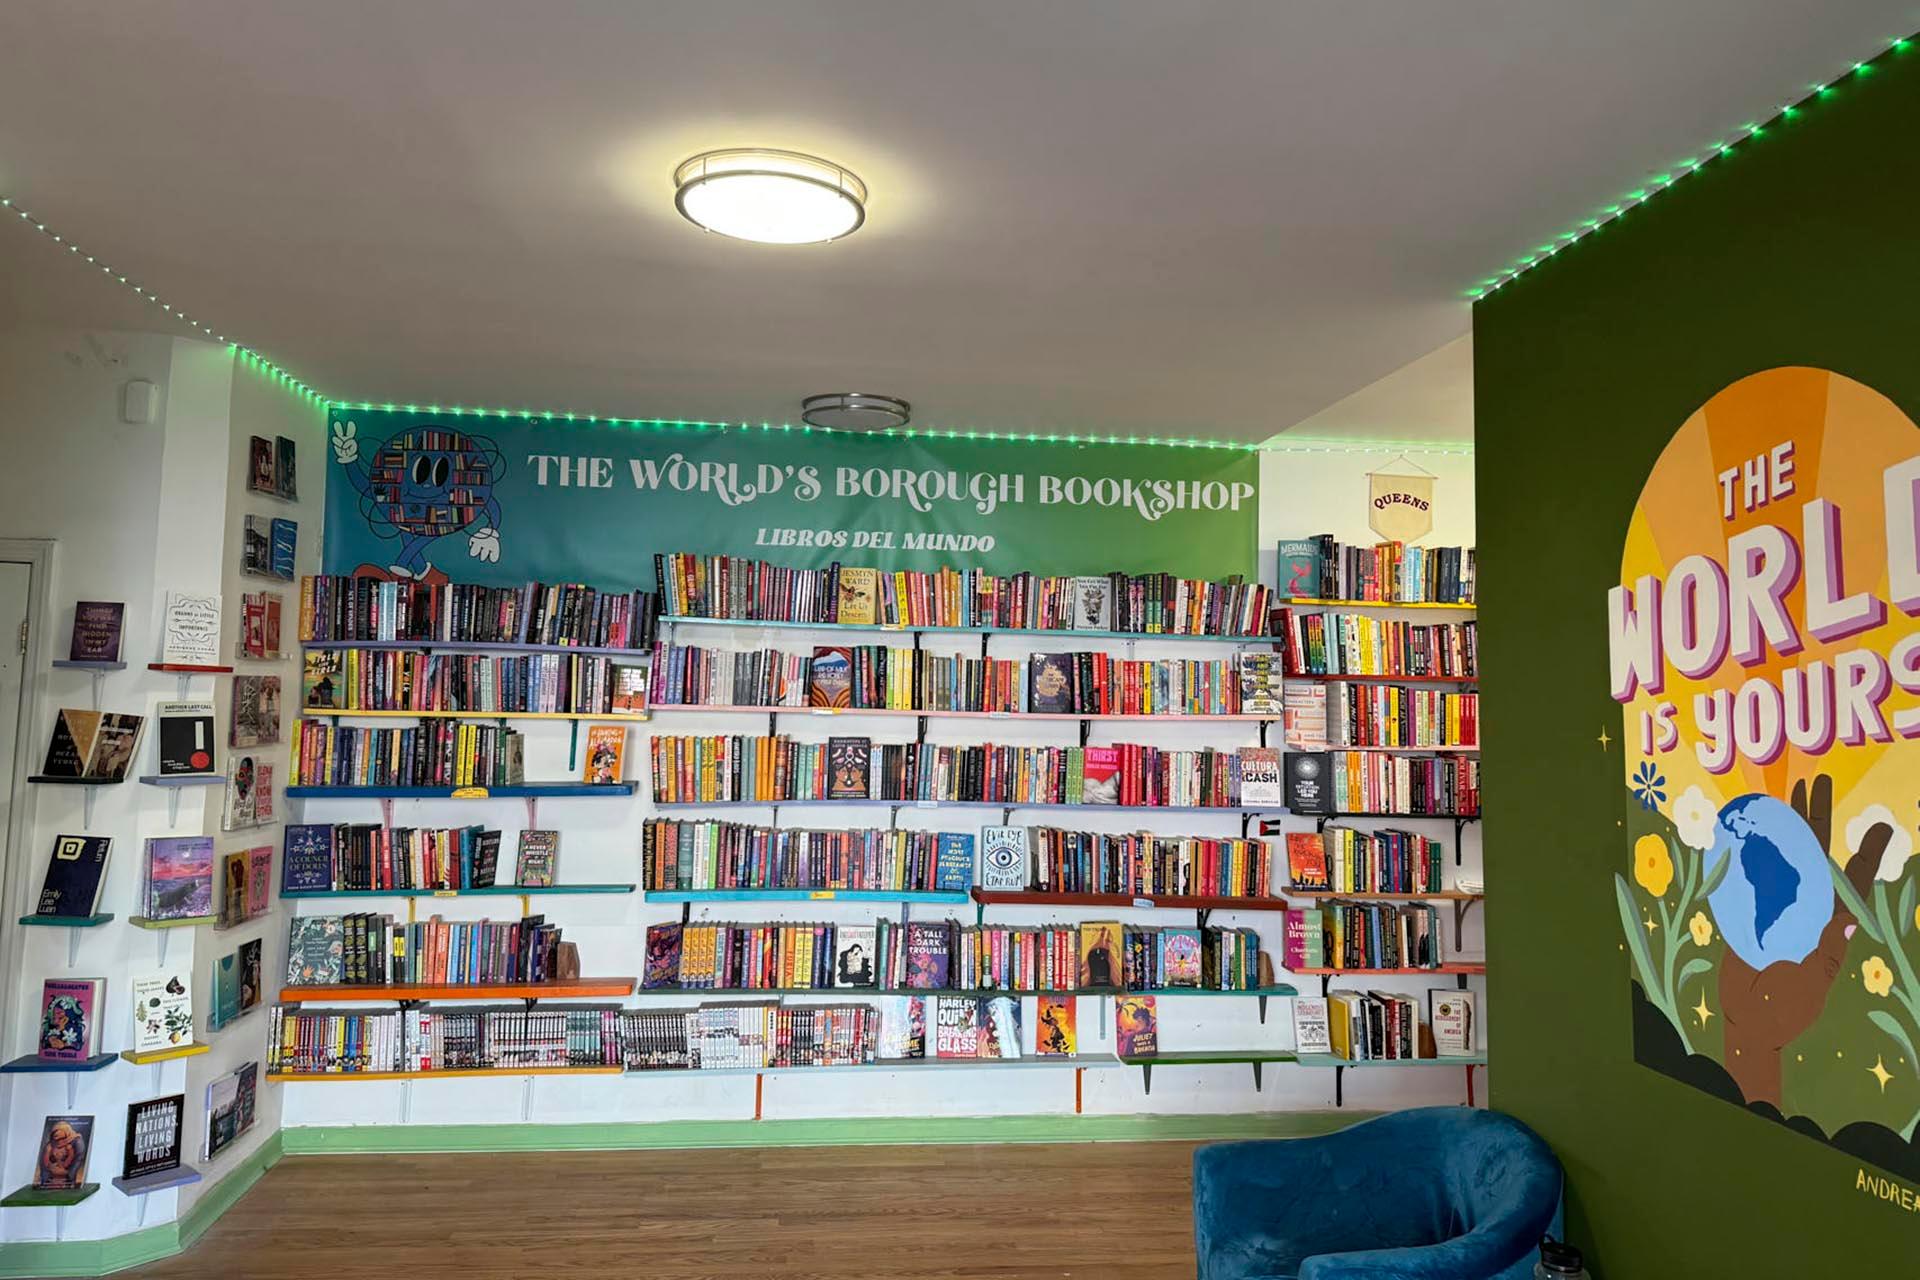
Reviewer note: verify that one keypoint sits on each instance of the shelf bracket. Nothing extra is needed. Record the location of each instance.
(1263, 731)
(87, 795)
(772, 724)
(1146, 1077)
(73, 1088)
(73, 947)
(1006, 815)
(1246, 823)
(984, 637)
(173, 807)
(1263, 1010)
(920, 739)
(533, 813)
(1256, 1077)
(573, 748)
(1339, 1086)
(1320, 823)
(406, 1101)
(386, 812)
(686, 914)
(1086, 728)
(97, 677)
(893, 817)
(1201, 916)
(181, 685)
(1326, 984)
(774, 821)
(526, 1093)
(1459, 835)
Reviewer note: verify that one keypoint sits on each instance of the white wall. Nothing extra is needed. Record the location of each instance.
(1304, 492)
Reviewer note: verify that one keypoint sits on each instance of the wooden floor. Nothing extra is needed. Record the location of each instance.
(1112, 1211)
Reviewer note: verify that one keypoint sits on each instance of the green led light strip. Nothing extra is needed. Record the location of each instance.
(1718, 149)
(253, 358)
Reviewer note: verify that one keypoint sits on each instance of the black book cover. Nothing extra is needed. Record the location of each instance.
(1308, 781)
(486, 859)
(186, 738)
(153, 1135)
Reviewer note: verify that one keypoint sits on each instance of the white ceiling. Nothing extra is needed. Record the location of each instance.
(1113, 215)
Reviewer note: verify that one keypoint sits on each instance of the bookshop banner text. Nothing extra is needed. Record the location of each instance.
(484, 498)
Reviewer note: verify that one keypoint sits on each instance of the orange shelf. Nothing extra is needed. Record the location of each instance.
(1411, 973)
(570, 989)
(464, 1073)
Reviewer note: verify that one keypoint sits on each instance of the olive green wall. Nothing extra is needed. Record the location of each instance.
(1802, 247)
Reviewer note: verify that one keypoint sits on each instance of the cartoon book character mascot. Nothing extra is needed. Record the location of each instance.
(421, 485)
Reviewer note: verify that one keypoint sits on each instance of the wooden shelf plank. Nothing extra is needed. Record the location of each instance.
(981, 993)
(569, 989)
(189, 668)
(182, 779)
(166, 1055)
(1355, 677)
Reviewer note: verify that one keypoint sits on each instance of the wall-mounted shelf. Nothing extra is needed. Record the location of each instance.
(88, 664)
(39, 1197)
(177, 922)
(1144, 902)
(806, 895)
(1340, 1066)
(34, 1065)
(481, 646)
(182, 779)
(164, 1180)
(1035, 633)
(698, 708)
(1075, 1061)
(612, 716)
(978, 993)
(1452, 967)
(512, 791)
(457, 1073)
(1256, 1058)
(1378, 604)
(1368, 895)
(1232, 811)
(495, 890)
(1348, 677)
(190, 668)
(561, 989)
(166, 1055)
(67, 922)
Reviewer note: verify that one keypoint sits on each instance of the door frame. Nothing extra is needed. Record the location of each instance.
(38, 555)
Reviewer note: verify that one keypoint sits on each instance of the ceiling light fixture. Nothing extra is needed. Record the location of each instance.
(855, 411)
(774, 197)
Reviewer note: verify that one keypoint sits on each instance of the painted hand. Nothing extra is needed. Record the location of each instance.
(346, 449)
(485, 545)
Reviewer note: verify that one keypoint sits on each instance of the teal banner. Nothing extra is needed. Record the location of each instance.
(493, 499)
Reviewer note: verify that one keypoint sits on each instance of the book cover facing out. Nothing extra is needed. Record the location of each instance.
(186, 738)
(153, 1135)
(74, 873)
(96, 630)
(1309, 787)
(66, 1142)
(69, 1010)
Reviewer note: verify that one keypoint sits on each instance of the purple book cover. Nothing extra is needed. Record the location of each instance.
(179, 877)
(96, 630)
(67, 1010)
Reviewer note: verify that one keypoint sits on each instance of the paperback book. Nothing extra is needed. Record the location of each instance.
(848, 761)
(69, 1009)
(629, 684)
(162, 1011)
(256, 711)
(1101, 784)
(830, 678)
(606, 754)
(1100, 963)
(1299, 569)
(1050, 683)
(315, 951)
(956, 1027)
(320, 680)
(190, 635)
(249, 793)
(853, 955)
(96, 630)
(66, 1142)
(1310, 1034)
(285, 542)
(230, 1107)
(306, 862)
(1056, 1033)
(179, 878)
(285, 480)
(260, 466)
(537, 859)
(1093, 604)
(953, 863)
(153, 1136)
(859, 591)
(251, 974)
(1260, 777)
(75, 871)
(186, 738)
(226, 991)
(256, 547)
(1308, 788)
(93, 744)
(1136, 1026)
(1003, 858)
(259, 625)
(1451, 1014)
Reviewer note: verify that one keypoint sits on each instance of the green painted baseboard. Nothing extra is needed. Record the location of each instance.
(117, 1253)
(101, 1257)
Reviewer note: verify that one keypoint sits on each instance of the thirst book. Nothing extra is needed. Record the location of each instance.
(74, 874)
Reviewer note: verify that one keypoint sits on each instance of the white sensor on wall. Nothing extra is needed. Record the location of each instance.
(139, 403)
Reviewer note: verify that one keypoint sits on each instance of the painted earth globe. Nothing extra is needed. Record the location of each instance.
(1777, 895)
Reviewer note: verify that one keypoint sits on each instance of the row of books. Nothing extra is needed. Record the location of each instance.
(723, 768)
(364, 948)
(407, 680)
(334, 607)
(307, 1041)
(1323, 568)
(1362, 935)
(1344, 860)
(758, 1035)
(679, 856)
(1053, 860)
(433, 753)
(1368, 1026)
(1368, 782)
(1355, 644)
(1144, 604)
(371, 857)
(1377, 715)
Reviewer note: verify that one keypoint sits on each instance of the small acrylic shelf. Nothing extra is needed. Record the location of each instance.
(901, 628)
(178, 922)
(1453, 967)
(49, 780)
(190, 668)
(1380, 604)
(492, 890)
(89, 664)
(806, 895)
(457, 1073)
(164, 1180)
(622, 717)
(182, 779)
(67, 922)
(1349, 677)
(168, 1054)
(41, 1197)
(1145, 902)
(562, 989)
(511, 791)
(1335, 1060)
(481, 646)
(699, 708)
(33, 1064)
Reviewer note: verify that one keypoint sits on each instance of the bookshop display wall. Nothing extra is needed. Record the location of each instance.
(1707, 1131)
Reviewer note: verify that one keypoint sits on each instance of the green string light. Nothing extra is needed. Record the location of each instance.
(1658, 182)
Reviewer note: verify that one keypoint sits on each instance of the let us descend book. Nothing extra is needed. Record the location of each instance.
(186, 738)
(69, 1013)
(179, 877)
(153, 1136)
(96, 630)
(848, 762)
(859, 591)
(75, 871)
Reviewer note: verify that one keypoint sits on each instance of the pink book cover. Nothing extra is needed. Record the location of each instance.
(1102, 782)
(259, 879)
(67, 1010)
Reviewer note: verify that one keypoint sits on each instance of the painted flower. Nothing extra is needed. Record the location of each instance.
(1696, 818)
(1875, 975)
(1652, 865)
(1701, 928)
(1893, 859)
(1649, 785)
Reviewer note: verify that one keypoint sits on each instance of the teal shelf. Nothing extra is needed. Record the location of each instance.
(1035, 633)
(67, 922)
(955, 897)
(32, 1063)
(890, 1064)
(513, 791)
(497, 891)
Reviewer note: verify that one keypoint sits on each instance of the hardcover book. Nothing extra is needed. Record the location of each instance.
(629, 684)
(1100, 966)
(926, 954)
(953, 862)
(537, 860)
(830, 678)
(190, 635)
(256, 547)
(663, 957)
(1050, 683)
(74, 874)
(285, 481)
(260, 465)
(1310, 1031)
(859, 594)
(1299, 569)
(486, 860)
(65, 1144)
(162, 1011)
(1308, 788)
(72, 743)
(226, 991)
(1180, 957)
(1101, 784)
(1136, 1026)
(259, 880)
(1262, 684)
(903, 1027)
(96, 630)
(286, 539)
(1307, 859)
(1092, 604)
(956, 1027)
(68, 1009)
(848, 762)
(256, 711)
(230, 1107)
(186, 738)
(1303, 940)
(1003, 858)
(1056, 1034)
(179, 877)
(1000, 1028)
(233, 888)
(306, 863)
(1260, 777)
(153, 1136)
(606, 754)
(320, 680)
(853, 955)
(1451, 1015)
(251, 972)
(315, 951)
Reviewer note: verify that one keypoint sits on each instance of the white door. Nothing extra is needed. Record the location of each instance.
(16, 580)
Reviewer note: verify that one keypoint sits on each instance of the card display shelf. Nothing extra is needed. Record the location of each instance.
(1074, 1061)
(90, 789)
(72, 1070)
(182, 779)
(42, 1197)
(177, 922)
(559, 989)
(96, 669)
(73, 925)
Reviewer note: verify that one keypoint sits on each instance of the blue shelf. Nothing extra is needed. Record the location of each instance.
(1036, 632)
(182, 779)
(1335, 1060)
(33, 1064)
(517, 791)
(1227, 810)
(67, 922)
(477, 646)
(497, 890)
(89, 664)
(805, 895)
